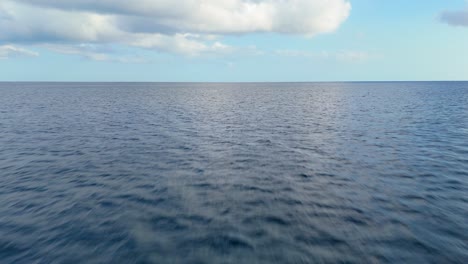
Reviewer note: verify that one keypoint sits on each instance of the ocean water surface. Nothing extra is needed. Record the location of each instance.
(234, 173)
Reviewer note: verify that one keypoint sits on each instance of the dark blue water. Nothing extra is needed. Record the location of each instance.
(234, 173)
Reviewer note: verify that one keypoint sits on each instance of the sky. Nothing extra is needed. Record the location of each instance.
(233, 40)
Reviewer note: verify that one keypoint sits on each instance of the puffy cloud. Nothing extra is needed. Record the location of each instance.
(24, 23)
(306, 17)
(183, 26)
(7, 51)
(178, 43)
(455, 18)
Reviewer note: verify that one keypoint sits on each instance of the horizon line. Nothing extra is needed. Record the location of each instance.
(214, 82)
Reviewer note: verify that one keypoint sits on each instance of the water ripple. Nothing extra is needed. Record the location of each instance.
(234, 173)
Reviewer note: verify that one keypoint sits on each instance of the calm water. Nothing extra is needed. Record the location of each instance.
(234, 173)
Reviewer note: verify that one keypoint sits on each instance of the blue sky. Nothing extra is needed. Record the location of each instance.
(233, 40)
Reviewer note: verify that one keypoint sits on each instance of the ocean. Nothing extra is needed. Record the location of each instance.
(364, 172)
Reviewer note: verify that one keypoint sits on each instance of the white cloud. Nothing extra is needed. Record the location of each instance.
(94, 52)
(178, 43)
(24, 23)
(7, 51)
(189, 27)
(305, 17)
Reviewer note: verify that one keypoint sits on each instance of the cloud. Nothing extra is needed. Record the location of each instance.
(353, 56)
(185, 44)
(305, 17)
(188, 27)
(349, 56)
(301, 53)
(455, 18)
(94, 52)
(7, 51)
